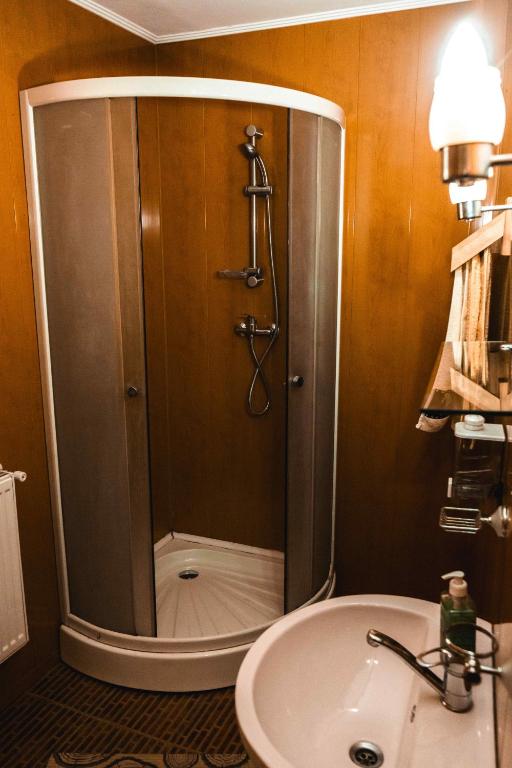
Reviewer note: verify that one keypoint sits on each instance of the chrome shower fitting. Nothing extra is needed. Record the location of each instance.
(471, 520)
(248, 328)
(253, 274)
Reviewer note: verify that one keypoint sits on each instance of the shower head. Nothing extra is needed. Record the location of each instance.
(249, 150)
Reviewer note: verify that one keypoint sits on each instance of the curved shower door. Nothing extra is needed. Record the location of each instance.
(315, 163)
(89, 190)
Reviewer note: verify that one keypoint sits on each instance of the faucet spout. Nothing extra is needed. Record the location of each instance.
(376, 638)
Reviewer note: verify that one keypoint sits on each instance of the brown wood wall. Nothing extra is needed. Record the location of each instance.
(216, 471)
(41, 41)
(399, 229)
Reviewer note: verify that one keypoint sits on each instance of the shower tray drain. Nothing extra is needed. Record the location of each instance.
(188, 573)
(366, 753)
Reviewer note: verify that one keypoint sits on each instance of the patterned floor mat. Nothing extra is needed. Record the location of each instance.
(165, 760)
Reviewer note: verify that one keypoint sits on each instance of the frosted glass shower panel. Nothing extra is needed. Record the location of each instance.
(88, 180)
(313, 285)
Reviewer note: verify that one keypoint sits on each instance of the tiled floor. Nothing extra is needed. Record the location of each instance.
(69, 712)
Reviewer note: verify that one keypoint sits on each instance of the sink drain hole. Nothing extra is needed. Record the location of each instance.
(366, 753)
(188, 573)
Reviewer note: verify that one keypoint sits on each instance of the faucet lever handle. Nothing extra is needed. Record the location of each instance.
(444, 657)
(471, 659)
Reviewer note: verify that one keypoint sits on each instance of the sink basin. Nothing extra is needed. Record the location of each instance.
(311, 687)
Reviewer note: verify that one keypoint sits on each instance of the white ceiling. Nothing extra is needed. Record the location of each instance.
(164, 21)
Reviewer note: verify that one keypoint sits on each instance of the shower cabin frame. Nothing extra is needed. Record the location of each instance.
(148, 662)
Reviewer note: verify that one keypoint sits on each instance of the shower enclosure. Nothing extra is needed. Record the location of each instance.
(186, 242)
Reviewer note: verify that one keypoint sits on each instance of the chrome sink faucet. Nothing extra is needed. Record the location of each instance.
(462, 668)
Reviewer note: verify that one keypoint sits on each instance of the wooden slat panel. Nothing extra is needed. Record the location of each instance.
(154, 314)
(420, 550)
(184, 243)
(378, 325)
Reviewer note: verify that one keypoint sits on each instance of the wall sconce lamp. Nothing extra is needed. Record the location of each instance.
(467, 120)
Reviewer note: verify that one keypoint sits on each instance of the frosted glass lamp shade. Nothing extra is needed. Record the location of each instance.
(468, 105)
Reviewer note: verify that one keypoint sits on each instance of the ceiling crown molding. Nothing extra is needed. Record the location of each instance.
(117, 19)
(308, 18)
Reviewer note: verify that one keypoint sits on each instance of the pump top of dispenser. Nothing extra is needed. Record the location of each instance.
(458, 586)
(475, 427)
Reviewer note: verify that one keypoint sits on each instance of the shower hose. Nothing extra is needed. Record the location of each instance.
(259, 374)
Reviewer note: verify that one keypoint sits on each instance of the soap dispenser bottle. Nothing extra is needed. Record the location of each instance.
(457, 607)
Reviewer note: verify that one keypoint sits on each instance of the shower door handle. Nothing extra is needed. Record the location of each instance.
(297, 381)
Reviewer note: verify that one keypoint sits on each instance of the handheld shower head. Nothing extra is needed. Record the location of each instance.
(249, 151)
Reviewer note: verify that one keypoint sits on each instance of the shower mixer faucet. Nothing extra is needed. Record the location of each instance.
(248, 326)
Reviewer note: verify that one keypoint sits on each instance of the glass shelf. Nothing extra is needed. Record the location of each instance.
(471, 377)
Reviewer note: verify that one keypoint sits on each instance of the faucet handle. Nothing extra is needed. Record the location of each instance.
(444, 657)
(471, 659)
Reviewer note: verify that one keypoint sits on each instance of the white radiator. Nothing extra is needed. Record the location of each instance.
(13, 617)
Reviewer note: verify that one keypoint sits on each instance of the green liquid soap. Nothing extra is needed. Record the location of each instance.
(458, 608)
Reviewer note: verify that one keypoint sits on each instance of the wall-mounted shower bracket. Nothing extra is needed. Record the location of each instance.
(258, 191)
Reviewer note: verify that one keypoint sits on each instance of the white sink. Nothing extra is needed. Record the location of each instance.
(311, 687)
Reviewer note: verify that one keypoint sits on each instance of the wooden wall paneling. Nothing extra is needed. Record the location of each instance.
(40, 41)
(238, 459)
(262, 57)
(424, 461)
(154, 315)
(184, 58)
(236, 502)
(245, 476)
(182, 162)
(385, 144)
